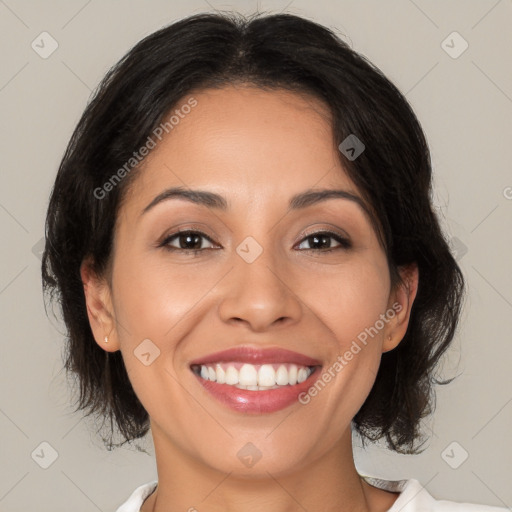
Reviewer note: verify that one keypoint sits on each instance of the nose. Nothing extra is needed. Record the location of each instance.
(260, 295)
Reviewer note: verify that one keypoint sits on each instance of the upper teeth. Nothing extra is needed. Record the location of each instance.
(265, 375)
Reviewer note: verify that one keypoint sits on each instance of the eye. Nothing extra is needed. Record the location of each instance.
(186, 241)
(192, 241)
(321, 241)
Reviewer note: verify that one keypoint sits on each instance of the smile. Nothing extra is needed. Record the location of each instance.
(254, 380)
(254, 377)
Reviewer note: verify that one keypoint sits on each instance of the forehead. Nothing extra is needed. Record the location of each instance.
(242, 141)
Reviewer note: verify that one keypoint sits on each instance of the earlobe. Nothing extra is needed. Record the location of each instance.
(99, 308)
(401, 301)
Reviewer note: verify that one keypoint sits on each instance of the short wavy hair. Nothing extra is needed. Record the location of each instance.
(393, 174)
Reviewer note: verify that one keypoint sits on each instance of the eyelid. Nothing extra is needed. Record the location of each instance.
(307, 232)
(171, 233)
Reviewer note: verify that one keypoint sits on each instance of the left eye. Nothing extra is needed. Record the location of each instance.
(322, 241)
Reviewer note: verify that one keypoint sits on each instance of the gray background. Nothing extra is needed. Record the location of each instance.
(464, 104)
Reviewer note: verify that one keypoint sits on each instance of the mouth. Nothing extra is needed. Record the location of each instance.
(254, 377)
(256, 381)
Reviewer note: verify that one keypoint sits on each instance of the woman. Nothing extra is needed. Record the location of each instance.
(248, 263)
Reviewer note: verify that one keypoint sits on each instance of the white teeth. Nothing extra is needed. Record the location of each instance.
(292, 375)
(231, 375)
(302, 375)
(221, 374)
(266, 376)
(248, 376)
(281, 376)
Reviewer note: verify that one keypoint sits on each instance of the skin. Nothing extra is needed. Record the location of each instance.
(257, 149)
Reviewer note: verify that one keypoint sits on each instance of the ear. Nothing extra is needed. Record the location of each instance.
(99, 308)
(400, 301)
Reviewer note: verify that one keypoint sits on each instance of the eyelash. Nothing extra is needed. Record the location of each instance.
(344, 242)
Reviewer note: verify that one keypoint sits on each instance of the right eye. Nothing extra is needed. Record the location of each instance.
(187, 241)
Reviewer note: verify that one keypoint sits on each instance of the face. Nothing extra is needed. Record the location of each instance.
(295, 288)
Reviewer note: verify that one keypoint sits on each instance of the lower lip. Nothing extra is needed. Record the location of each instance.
(247, 401)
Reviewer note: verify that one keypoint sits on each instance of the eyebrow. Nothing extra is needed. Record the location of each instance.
(216, 201)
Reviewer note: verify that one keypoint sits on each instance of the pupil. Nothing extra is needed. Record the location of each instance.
(324, 238)
(187, 238)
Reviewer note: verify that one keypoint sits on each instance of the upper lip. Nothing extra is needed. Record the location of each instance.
(253, 355)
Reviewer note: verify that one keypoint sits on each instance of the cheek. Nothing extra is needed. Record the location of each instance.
(152, 298)
(349, 299)
(350, 304)
(155, 302)
(162, 303)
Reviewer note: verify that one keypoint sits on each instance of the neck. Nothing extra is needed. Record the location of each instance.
(328, 484)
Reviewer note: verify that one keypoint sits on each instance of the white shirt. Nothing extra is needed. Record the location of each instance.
(413, 498)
